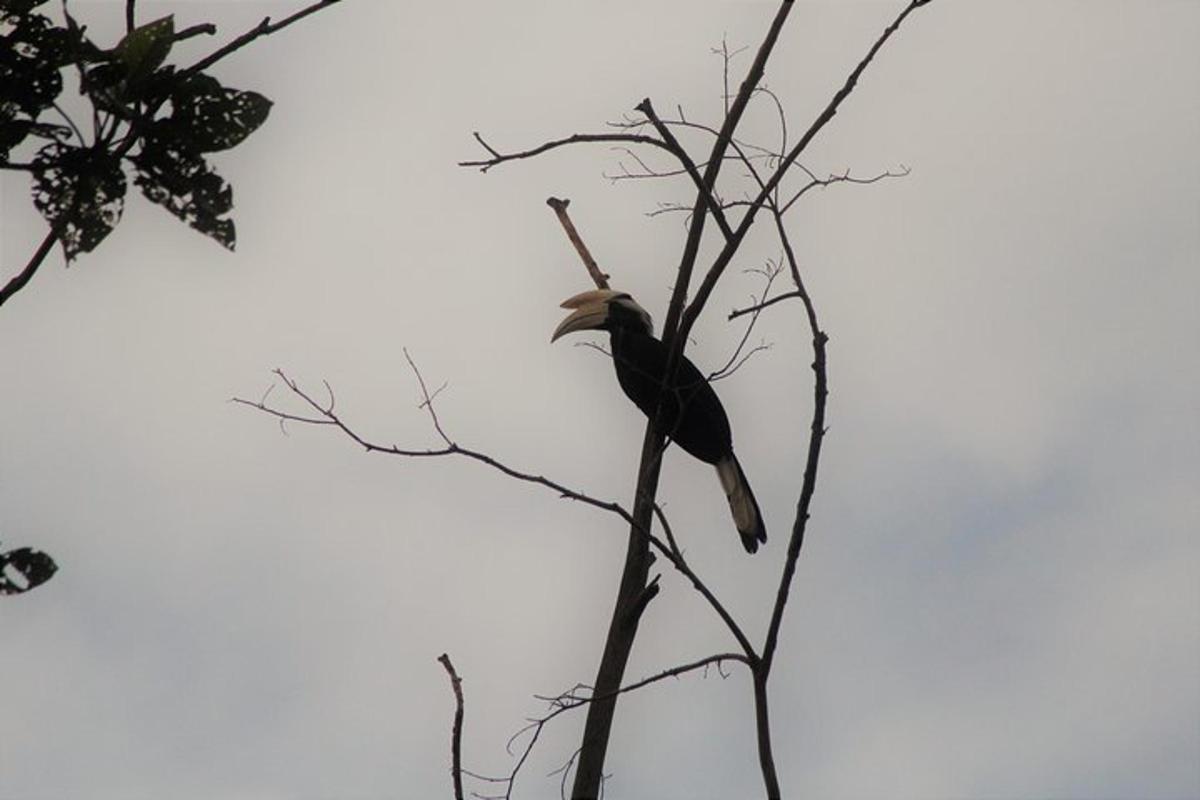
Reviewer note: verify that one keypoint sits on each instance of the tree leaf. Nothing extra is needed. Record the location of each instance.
(32, 54)
(30, 57)
(12, 8)
(145, 48)
(14, 130)
(207, 117)
(24, 569)
(182, 182)
(105, 84)
(80, 192)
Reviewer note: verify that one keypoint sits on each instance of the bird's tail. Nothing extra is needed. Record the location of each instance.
(746, 515)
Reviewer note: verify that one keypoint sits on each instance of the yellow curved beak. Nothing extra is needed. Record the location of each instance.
(586, 317)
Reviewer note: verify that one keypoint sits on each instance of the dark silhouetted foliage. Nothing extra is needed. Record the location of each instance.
(23, 569)
(145, 118)
(149, 118)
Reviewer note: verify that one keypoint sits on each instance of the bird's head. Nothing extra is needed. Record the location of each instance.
(603, 309)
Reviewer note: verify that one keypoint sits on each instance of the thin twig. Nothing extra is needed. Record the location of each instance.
(753, 351)
(427, 403)
(703, 189)
(762, 152)
(496, 157)
(783, 131)
(263, 28)
(676, 310)
(843, 178)
(754, 309)
(770, 272)
(722, 260)
(647, 170)
(571, 699)
(565, 771)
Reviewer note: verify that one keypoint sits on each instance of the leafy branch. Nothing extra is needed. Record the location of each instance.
(154, 124)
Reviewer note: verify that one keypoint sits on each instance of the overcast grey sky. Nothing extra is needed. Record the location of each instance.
(1000, 592)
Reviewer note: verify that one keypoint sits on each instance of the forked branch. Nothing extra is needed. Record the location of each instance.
(731, 246)
(318, 413)
(324, 413)
(574, 698)
(703, 189)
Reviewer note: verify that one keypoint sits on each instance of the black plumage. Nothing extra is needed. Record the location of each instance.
(691, 415)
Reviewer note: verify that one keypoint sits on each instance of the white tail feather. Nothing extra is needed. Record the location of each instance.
(741, 502)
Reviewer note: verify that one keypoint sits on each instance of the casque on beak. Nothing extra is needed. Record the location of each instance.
(590, 311)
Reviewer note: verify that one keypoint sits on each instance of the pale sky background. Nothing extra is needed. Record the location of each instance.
(1000, 592)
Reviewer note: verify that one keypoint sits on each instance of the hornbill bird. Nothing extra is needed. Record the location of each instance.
(691, 414)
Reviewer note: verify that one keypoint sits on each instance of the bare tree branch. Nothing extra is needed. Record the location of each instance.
(264, 28)
(770, 272)
(565, 771)
(722, 261)
(703, 189)
(455, 732)
(636, 588)
(623, 626)
(783, 130)
(761, 152)
(843, 178)
(755, 309)
(496, 157)
(676, 310)
(673, 553)
(560, 209)
(726, 59)
(675, 556)
(647, 171)
(18, 281)
(325, 415)
(572, 699)
(816, 436)
(761, 347)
